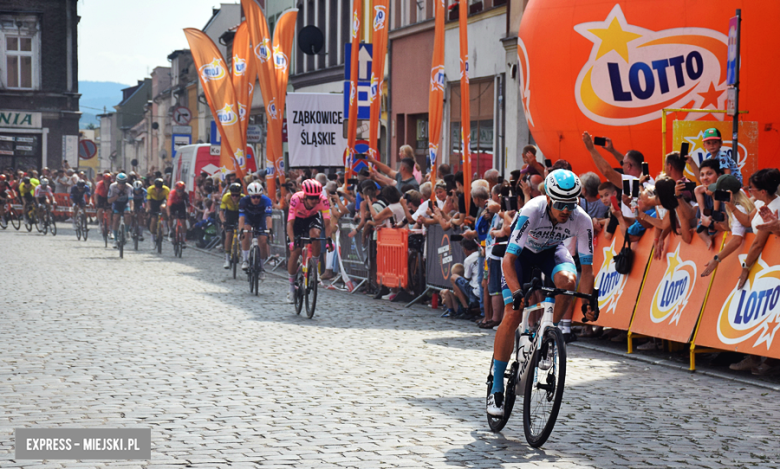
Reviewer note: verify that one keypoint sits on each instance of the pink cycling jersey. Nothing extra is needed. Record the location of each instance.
(298, 210)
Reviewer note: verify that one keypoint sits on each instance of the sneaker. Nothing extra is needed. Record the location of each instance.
(495, 404)
(261, 276)
(649, 345)
(763, 369)
(290, 297)
(382, 292)
(140, 237)
(748, 363)
(448, 313)
(244, 265)
(546, 359)
(390, 296)
(110, 235)
(227, 264)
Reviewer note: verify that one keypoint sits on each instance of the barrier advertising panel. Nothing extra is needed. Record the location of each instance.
(279, 225)
(617, 293)
(744, 320)
(441, 256)
(670, 301)
(354, 253)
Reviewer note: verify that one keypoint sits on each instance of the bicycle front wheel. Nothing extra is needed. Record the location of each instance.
(15, 219)
(299, 287)
(134, 230)
(497, 423)
(311, 287)
(52, 226)
(84, 229)
(544, 388)
(234, 254)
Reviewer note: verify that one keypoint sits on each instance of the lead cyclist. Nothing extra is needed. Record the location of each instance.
(540, 229)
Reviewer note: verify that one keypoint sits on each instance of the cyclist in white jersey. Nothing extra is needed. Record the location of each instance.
(539, 231)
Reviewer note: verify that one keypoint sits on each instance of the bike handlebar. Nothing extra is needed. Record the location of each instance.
(536, 285)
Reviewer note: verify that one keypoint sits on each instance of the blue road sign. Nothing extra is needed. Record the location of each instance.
(364, 61)
(364, 108)
(216, 138)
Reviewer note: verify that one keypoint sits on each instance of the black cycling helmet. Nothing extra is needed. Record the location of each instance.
(26, 180)
(158, 183)
(81, 183)
(235, 188)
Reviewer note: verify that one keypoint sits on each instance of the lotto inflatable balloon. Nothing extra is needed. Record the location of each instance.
(610, 67)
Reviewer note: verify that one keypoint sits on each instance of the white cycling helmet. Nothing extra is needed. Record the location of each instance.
(255, 189)
(562, 186)
(138, 185)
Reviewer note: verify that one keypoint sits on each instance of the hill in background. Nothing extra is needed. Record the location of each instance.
(95, 95)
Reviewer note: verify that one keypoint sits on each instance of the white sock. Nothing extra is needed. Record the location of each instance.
(227, 256)
(246, 255)
(565, 326)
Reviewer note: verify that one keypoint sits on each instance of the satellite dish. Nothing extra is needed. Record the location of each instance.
(134, 162)
(311, 40)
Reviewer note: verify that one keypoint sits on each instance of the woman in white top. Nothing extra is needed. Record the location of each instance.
(737, 210)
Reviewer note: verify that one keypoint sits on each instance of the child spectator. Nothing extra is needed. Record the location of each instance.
(464, 298)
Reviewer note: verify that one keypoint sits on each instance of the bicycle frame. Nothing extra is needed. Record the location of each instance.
(523, 356)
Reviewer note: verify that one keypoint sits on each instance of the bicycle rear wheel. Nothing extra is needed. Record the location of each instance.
(311, 287)
(40, 224)
(497, 423)
(121, 240)
(234, 254)
(159, 237)
(254, 269)
(134, 230)
(52, 225)
(544, 388)
(78, 229)
(4, 221)
(84, 229)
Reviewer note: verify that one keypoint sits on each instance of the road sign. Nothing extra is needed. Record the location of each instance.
(364, 107)
(87, 149)
(254, 133)
(216, 138)
(181, 129)
(733, 52)
(364, 61)
(179, 141)
(182, 115)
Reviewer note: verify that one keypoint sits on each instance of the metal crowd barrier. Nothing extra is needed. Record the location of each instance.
(278, 245)
(354, 253)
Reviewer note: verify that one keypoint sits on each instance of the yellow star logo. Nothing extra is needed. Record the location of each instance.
(673, 260)
(614, 38)
(215, 63)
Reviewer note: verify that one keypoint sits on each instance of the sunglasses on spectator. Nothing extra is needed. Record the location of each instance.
(570, 206)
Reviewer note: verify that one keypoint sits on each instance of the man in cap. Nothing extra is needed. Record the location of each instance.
(712, 142)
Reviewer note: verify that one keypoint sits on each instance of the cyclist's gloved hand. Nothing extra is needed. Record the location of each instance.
(589, 314)
(517, 299)
(292, 246)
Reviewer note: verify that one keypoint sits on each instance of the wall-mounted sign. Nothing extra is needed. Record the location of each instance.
(21, 119)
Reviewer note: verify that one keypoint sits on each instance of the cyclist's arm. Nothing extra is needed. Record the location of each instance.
(290, 232)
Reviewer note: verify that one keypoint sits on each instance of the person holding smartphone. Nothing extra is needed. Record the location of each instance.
(708, 214)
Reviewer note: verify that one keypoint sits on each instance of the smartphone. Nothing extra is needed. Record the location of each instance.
(360, 156)
(456, 238)
(600, 141)
(547, 163)
(509, 203)
(684, 148)
(723, 196)
(353, 181)
(627, 186)
(635, 188)
(690, 186)
(645, 168)
(615, 203)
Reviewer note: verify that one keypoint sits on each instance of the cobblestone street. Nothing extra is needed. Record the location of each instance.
(225, 379)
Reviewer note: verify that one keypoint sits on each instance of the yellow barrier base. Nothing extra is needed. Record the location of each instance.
(631, 337)
(694, 351)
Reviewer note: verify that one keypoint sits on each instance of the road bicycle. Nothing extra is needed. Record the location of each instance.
(105, 225)
(136, 229)
(45, 222)
(235, 249)
(158, 236)
(10, 215)
(306, 276)
(255, 270)
(30, 217)
(179, 234)
(80, 224)
(538, 374)
(120, 234)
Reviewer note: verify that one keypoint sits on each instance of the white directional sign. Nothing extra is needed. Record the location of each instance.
(182, 115)
(365, 61)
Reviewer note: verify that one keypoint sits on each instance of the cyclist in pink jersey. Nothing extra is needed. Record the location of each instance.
(304, 219)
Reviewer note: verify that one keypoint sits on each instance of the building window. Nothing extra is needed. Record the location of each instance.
(19, 53)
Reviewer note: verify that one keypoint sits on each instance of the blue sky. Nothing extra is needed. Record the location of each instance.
(123, 40)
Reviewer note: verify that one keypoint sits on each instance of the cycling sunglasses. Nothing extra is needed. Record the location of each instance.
(570, 206)
(235, 195)
(313, 197)
(253, 197)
